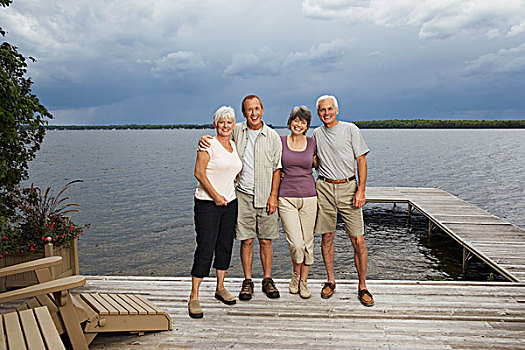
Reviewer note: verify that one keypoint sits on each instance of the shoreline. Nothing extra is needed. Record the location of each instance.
(368, 124)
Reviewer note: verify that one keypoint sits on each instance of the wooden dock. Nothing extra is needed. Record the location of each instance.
(498, 243)
(407, 315)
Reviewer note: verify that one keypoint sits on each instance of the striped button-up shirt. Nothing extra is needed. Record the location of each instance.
(268, 149)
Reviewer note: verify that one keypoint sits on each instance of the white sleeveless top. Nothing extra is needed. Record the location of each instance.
(221, 170)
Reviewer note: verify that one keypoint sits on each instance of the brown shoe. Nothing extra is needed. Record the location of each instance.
(268, 287)
(246, 290)
(194, 309)
(365, 297)
(328, 290)
(225, 296)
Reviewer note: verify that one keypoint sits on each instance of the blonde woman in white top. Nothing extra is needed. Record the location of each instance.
(215, 209)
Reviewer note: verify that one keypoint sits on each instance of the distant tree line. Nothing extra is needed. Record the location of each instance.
(440, 124)
(366, 124)
(129, 126)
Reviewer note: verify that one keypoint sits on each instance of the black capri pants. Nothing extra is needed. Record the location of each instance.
(215, 228)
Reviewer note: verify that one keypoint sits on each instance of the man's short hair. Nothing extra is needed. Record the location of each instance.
(225, 112)
(249, 97)
(301, 112)
(326, 97)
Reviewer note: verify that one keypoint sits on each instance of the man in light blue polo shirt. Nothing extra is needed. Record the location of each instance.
(340, 146)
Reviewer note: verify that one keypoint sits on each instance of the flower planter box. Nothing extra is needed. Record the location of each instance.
(68, 267)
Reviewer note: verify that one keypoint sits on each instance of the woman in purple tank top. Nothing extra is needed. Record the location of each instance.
(298, 198)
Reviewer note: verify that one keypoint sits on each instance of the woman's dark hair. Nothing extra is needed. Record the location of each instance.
(301, 112)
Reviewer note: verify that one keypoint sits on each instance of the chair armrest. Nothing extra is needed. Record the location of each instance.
(30, 266)
(58, 285)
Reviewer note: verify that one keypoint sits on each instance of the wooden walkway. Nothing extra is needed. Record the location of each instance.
(496, 242)
(407, 315)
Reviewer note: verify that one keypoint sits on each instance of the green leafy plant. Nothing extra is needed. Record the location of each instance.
(39, 215)
(490, 277)
(22, 120)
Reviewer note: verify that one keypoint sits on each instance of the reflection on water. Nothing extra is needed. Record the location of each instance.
(407, 252)
(139, 184)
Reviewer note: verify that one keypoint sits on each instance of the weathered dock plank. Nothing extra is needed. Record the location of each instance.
(487, 236)
(407, 314)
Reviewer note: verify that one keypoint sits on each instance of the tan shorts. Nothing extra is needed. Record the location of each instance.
(332, 198)
(253, 221)
(298, 219)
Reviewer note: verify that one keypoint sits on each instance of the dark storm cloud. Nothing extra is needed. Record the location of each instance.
(167, 62)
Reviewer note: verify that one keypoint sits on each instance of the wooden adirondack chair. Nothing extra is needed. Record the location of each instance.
(32, 327)
(83, 316)
(29, 329)
(68, 267)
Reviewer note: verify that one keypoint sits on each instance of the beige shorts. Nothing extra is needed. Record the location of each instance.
(298, 219)
(253, 221)
(332, 198)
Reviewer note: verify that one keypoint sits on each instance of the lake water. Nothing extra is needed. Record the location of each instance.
(138, 190)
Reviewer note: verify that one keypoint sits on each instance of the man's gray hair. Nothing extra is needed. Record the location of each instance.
(223, 113)
(326, 97)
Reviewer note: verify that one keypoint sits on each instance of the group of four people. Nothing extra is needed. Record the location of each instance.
(247, 171)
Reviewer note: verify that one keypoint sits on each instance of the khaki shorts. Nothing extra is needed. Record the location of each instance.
(253, 221)
(332, 198)
(298, 219)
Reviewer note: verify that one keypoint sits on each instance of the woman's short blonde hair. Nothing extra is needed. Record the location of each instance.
(223, 113)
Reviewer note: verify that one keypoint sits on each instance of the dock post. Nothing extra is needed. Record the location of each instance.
(409, 212)
(466, 256)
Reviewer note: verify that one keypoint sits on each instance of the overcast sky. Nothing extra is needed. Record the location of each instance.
(177, 61)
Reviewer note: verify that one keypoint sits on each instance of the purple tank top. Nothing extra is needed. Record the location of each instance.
(298, 180)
